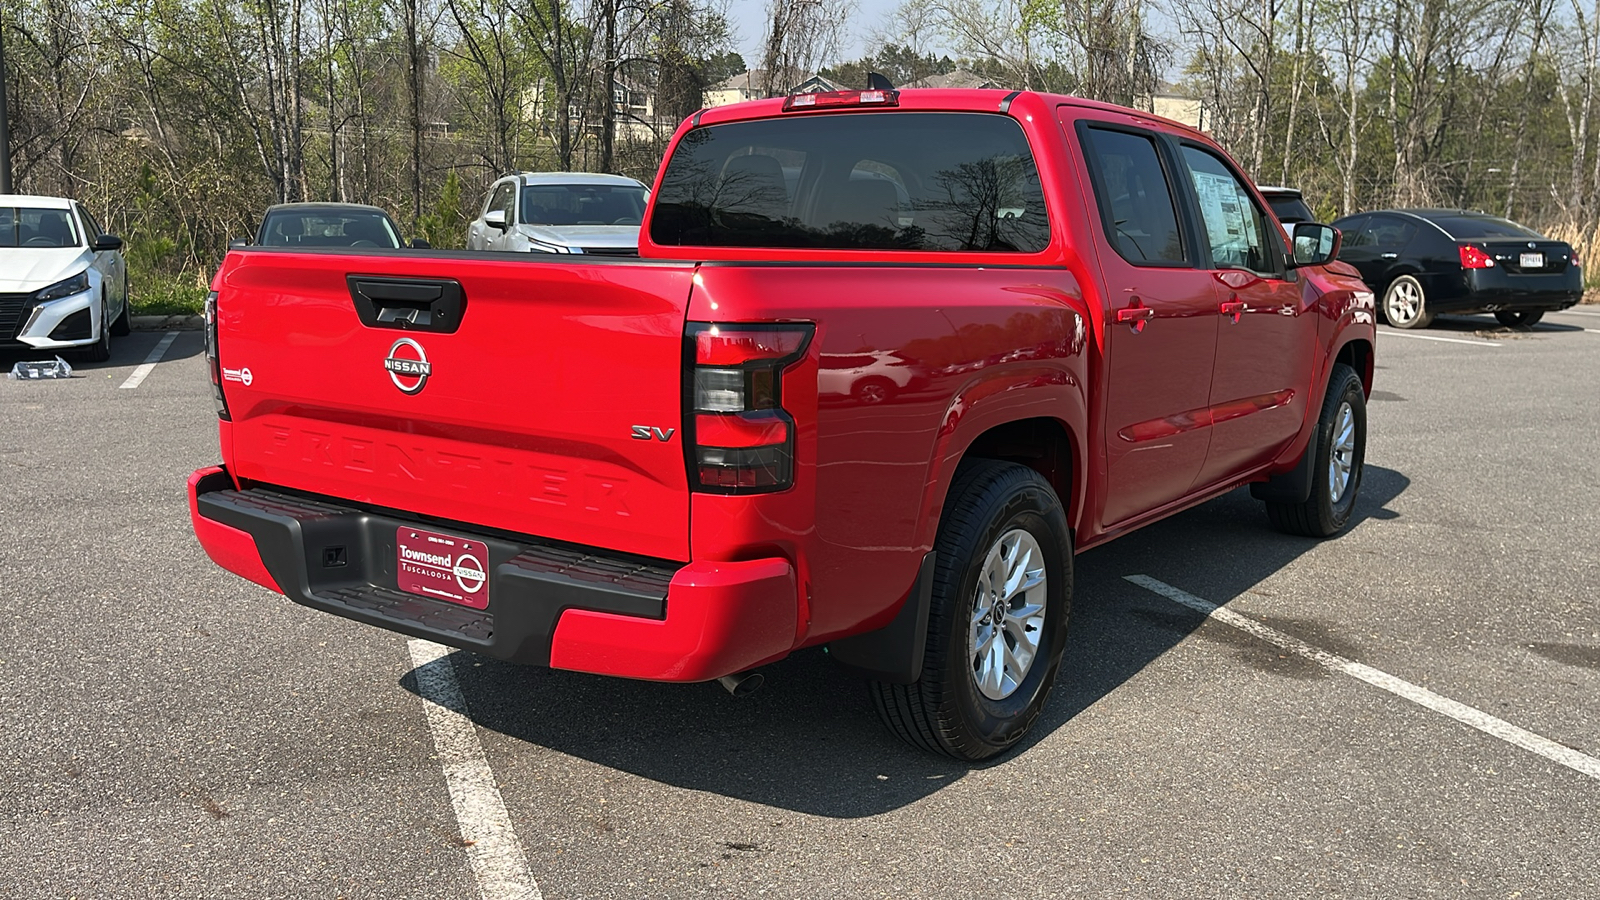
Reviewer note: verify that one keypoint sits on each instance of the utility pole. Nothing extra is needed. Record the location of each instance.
(5, 120)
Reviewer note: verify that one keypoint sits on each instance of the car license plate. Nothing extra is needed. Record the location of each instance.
(442, 566)
(1532, 261)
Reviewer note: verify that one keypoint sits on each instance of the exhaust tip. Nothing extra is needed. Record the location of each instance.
(742, 684)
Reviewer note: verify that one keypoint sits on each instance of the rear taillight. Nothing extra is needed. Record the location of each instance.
(1574, 260)
(1474, 258)
(741, 440)
(213, 363)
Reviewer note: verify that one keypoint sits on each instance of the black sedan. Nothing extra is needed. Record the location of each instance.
(1422, 262)
(306, 225)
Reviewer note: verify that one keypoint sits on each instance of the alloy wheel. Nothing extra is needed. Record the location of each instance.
(1008, 614)
(1404, 302)
(1342, 455)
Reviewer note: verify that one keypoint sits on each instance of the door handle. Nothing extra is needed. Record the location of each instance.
(1232, 309)
(1388, 256)
(1135, 315)
(420, 304)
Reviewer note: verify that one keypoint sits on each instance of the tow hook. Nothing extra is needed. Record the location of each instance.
(742, 684)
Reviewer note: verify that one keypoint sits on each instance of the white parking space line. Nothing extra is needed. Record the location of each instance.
(1575, 312)
(498, 861)
(1434, 337)
(139, 374)
(1466, 715)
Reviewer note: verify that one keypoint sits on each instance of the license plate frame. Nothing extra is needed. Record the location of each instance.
(440, 566)
(1531, 261)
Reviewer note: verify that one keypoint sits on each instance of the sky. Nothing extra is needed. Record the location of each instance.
(748, 18)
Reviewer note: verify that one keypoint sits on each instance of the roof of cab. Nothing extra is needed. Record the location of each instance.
(992, 100)
(329, 206)
(577, 178)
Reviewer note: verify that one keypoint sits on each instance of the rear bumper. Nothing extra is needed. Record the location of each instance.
(1493, 290)
(570, 608)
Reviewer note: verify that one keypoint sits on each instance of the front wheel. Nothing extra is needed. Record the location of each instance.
(1405, 305)
(996, 629)
(123, 326)
(1340, 445)
(100, 350)
(1520, 319)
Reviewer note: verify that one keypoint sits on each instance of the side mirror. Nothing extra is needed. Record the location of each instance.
(238, 243)
(420, 244)
(1314, 244)
(495, 218)
(105, 242)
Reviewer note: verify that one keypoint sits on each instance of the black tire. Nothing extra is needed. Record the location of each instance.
(944, 710)
(100, 350)
(1323, 514)
(1405, 304)
(124, 323)
(1520, 319)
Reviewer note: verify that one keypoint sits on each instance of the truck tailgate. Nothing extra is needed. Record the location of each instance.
(523, 418)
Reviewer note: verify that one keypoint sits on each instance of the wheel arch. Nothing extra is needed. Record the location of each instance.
(1357, 354)
(1045, 444)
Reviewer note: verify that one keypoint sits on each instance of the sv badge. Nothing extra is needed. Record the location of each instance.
(645, 433)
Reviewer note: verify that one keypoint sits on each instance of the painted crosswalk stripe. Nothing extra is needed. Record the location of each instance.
(149, 365)
(1466, 715)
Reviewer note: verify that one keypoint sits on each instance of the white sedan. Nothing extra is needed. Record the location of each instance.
(63, 282)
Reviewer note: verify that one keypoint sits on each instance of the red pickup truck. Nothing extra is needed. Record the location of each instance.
(885, 363)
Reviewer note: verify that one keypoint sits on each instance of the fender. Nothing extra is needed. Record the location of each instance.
(1056, 394)
(1353, 321)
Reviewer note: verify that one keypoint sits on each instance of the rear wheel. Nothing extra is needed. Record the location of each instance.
(1340, 445)
(1520, 319)
(1002, 586)
(1405, 305)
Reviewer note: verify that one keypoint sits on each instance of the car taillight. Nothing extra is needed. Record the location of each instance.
(213, 363)
(1574, 261)
(1474, 258)
(741, 440)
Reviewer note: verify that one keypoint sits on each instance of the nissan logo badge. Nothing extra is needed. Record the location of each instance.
(408, 365)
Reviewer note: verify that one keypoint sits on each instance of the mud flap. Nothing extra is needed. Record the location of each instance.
(1293, 486)
(893, 653)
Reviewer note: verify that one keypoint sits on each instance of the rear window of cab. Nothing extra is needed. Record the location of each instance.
(918, 181)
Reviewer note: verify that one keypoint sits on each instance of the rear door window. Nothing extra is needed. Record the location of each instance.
(1135, 197)
(943, 182)
(1390, 234)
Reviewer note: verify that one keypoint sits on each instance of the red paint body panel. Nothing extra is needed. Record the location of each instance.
(526, 422)
(523, 425)
(721, 618)
(228, 547)
(954, 351)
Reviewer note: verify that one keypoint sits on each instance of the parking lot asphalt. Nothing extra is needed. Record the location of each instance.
(170, 730)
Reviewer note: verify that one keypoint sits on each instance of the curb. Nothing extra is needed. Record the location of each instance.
(168, 323)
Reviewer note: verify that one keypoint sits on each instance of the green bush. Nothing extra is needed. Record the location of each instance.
(161, 294)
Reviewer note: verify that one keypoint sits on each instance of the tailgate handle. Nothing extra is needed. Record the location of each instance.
(409, 304)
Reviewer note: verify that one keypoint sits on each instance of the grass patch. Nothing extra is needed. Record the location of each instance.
(155, 294)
